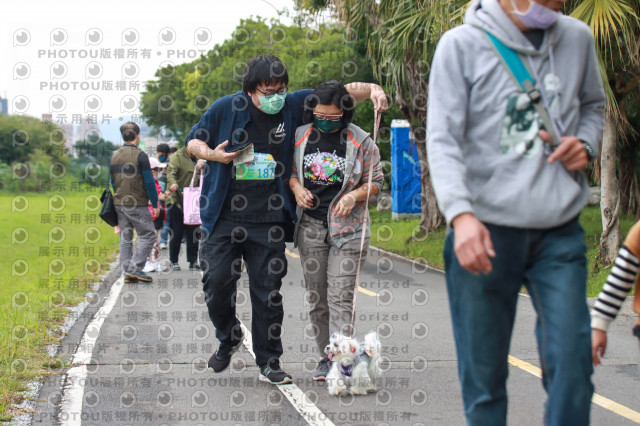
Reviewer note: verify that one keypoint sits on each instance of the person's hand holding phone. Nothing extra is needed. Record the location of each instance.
(222, 156)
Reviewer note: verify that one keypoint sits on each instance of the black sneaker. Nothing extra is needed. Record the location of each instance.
(175, 267)
(130, 280)
(275, 376)
(320, 375)
(222, 357)
(140, 276)
(194, 266)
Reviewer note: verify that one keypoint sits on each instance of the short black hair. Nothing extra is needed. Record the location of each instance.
(267, 70)
(173, 149)
(330, 92)
(163, 148)
(129, 131)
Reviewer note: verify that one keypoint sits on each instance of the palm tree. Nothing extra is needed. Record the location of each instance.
(615, 27)
(402, 36)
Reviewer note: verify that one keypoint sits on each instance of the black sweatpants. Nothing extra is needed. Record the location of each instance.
(262, 246)
(178, 229)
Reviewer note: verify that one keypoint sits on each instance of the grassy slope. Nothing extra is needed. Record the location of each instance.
(391, 235)
(35, 304)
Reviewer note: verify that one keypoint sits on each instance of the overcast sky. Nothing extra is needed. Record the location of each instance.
(46, 49)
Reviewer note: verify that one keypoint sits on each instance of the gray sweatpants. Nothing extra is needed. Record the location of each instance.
(138, 218)
(330, 278)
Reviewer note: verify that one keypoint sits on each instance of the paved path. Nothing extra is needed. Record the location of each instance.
(142, 359)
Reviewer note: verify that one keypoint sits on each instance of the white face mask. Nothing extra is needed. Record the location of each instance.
(537, 16)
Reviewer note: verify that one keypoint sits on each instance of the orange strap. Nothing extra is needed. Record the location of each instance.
(304, 136)
(354, 140)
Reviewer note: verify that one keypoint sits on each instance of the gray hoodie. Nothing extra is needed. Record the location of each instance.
(484, 153)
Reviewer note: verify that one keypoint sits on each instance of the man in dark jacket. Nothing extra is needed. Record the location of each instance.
(245, 210)
(133, 188)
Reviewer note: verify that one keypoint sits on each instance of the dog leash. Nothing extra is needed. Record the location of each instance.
(376, 125)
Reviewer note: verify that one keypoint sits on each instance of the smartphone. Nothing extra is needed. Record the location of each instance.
(238, 147)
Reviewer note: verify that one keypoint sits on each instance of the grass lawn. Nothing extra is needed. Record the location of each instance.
(54, 248)
(391, 235)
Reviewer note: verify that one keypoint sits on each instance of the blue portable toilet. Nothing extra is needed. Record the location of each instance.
(405, 172)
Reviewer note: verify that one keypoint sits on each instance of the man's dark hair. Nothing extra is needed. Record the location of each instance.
(330, 92)
(129, 131)
(267, 70)
(163, 148)
(173, 149)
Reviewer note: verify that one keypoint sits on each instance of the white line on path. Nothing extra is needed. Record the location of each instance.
(303, 405)
(73, 388)
(74, 382)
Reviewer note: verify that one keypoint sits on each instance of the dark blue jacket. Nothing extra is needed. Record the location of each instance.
(225, 120)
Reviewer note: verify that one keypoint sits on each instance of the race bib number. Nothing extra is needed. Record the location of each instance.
(262, 167)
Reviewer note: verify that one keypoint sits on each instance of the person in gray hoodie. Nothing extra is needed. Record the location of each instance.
(511, 187)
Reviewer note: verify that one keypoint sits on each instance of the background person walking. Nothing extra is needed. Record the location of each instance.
(164, 152)
(179, 174)
(134, 188)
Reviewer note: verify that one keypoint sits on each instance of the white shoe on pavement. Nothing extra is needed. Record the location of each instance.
(149, 267)
(159, 267)
(163, 246)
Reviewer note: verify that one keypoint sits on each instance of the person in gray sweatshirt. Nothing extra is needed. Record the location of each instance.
(510, 183)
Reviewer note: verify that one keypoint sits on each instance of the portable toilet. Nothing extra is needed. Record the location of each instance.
(405, 172)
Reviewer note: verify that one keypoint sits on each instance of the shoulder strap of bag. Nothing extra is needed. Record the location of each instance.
(195, 170)
(109, 175)
(522, 77)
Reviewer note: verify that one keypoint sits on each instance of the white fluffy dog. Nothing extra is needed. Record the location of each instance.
(354, 366)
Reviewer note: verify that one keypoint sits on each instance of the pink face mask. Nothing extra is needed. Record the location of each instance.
(537, 16)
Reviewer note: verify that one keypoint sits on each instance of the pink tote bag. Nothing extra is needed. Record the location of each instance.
(191, 202)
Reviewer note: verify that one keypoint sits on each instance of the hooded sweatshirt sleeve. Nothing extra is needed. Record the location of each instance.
(446, 121)
(592, 100)
(147, 177)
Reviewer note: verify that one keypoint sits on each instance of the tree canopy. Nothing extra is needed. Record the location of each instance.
(179, 95)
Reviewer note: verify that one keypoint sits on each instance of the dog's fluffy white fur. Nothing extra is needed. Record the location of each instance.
(354, 366)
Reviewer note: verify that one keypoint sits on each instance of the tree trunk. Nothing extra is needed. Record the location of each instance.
(430, 217)
(629, 191)
(610, 194)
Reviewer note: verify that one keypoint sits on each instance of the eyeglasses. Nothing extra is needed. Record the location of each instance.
(268, 93)
(329, 117)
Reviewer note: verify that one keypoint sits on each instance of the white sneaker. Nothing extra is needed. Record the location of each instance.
(163, 246)
(159, 267)
(149, 267)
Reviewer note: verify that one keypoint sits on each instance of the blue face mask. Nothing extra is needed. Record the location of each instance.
(162, 158)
